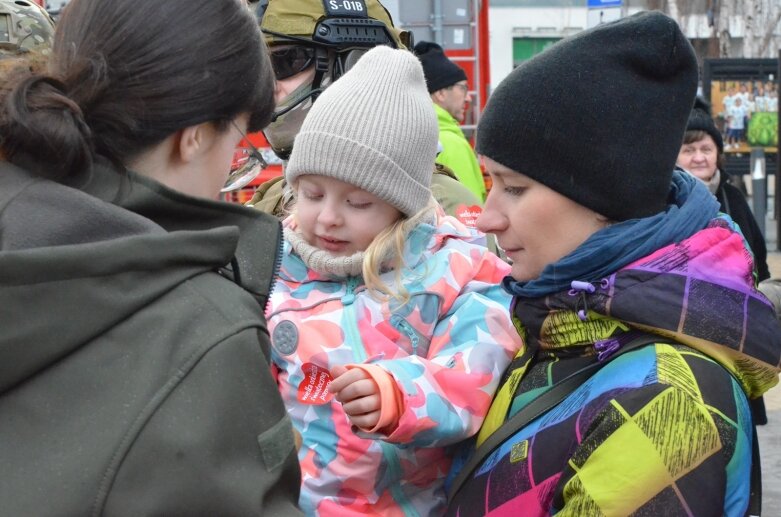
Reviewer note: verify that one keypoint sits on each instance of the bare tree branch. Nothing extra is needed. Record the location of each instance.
(763, 47)
(725, 9)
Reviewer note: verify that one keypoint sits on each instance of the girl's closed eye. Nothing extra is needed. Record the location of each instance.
(311, 194)
(360, 204)
(514, 191)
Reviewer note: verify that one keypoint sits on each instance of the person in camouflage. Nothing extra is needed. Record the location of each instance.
(307, 56)
(24, 27)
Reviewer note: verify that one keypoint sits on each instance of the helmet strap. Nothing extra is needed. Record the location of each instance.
(322, 62)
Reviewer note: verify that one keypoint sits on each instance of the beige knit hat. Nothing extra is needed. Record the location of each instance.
(374, 128)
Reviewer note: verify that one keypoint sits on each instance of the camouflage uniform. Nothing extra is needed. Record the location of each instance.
(24, 27)
(284, 20)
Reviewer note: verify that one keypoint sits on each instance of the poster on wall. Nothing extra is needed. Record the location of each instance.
(746, 113)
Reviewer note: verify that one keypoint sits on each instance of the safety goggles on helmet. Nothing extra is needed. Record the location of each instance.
(288, 61)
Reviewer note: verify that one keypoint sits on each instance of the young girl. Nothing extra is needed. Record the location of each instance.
(389, 327)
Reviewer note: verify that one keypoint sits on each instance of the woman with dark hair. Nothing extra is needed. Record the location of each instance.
(134, 373)
(644, 334)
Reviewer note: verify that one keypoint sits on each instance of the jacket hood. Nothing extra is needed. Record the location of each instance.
(75, 263)
(699, 292)
(421, 244)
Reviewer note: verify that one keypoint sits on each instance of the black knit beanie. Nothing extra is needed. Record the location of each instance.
(439, 70)
(699, 120)
(598, 117)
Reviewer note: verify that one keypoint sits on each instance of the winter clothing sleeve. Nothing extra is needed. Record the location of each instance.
(170, 463)
(453, 196)
(271, 198)
(390, 398)
(446, 394)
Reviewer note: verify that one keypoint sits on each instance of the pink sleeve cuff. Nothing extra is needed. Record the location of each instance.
(390, 398)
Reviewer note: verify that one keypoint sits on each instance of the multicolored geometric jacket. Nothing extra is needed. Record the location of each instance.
(661, 430)
(446, 350)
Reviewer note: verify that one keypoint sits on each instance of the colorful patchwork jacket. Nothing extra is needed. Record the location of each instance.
(445, 350)
(661, 430)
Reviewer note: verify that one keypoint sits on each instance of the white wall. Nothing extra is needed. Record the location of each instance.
(546, 22)
(504, 22)
(556, 22)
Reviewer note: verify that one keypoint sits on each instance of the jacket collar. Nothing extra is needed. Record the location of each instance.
(258, 252)
(698, 292)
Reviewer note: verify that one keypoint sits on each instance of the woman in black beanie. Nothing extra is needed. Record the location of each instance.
(644, 335)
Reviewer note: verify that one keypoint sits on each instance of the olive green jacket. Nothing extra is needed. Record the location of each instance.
(134, 370)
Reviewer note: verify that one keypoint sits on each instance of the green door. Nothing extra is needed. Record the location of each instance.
(526, 48)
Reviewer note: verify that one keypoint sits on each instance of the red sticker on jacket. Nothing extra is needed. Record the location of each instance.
(314, 387)
(468, 214)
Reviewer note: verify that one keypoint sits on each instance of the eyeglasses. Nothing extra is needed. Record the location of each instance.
(289, 61)
(247, 163)
(464, 87)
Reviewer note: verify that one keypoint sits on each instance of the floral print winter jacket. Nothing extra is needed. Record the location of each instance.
(445, 350)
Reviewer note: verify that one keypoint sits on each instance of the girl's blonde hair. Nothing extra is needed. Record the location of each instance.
(386, 252)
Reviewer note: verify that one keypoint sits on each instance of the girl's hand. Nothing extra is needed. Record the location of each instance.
(358, 394)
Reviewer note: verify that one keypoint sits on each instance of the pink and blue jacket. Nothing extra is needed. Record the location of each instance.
(444, 353)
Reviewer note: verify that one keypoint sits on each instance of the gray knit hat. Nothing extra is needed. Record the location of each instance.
(374, 128)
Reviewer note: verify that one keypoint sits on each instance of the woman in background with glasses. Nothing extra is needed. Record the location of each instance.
(134, 375)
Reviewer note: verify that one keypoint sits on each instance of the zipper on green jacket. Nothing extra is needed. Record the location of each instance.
(277, 268)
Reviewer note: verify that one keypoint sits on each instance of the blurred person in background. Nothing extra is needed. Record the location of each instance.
(447, 85)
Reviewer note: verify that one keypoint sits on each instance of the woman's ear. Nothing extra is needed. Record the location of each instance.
(191, 141)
